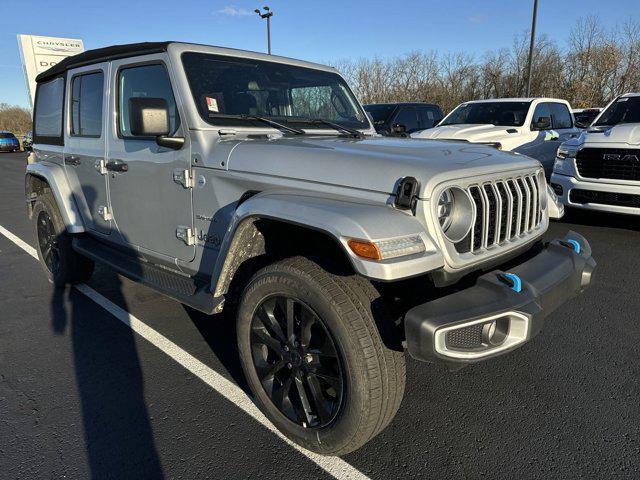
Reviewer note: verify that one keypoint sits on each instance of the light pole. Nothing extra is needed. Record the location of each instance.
(533, 37)
(268, 14)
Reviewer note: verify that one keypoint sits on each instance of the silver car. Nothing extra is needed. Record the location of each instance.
(256, 185)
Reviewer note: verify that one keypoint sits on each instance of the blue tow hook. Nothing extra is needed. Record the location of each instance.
(576, 245)
(511, 280)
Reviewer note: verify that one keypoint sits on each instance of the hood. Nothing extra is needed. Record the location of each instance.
(372, 164)
(469, 132)
(627, 133)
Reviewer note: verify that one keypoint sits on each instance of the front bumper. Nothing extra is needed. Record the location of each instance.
(504, 309)
(568, 183)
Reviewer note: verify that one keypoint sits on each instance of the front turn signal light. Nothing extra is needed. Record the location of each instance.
(365, 249)
(387, 249)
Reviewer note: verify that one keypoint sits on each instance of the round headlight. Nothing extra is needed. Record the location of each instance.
(455, 213)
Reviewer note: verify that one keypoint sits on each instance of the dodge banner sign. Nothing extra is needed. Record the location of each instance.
(41, 53)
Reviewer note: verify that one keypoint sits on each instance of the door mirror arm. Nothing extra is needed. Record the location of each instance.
(174, 143)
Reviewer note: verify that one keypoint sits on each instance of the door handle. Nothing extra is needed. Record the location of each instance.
(71, 160)
(117, 166)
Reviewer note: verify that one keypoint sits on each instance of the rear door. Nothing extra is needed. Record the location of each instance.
(84, 150)
(151, 210)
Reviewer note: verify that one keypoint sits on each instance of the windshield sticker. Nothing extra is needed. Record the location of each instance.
(212, 104)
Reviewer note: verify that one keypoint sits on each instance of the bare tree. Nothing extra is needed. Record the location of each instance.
(14, 119)
(594, 66)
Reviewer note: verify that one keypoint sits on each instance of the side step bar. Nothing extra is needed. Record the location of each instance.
(184, 289)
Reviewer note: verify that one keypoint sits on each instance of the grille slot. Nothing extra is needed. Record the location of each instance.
(605, 198)
(505, 210)
(612, 163)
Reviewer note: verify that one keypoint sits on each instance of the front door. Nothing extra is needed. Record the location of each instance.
(148, 206)
(84, 150)
(544, 143)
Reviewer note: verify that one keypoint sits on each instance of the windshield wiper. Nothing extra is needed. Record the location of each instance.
(351, 131)
(268, 121)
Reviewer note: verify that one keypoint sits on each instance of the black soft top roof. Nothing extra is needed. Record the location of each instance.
(102, 55)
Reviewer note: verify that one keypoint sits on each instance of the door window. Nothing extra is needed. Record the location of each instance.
(407, 117)
(86, 105)
(48, 112)
(151, 81)
(542, 110)
(427, 116)
(560, 116)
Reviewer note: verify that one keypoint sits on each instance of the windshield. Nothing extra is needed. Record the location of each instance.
(380, 113)
(227, 88)
(623, 110)
(508, 114)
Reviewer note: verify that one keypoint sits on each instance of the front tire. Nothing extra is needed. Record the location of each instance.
(313, 356)
(61, 263)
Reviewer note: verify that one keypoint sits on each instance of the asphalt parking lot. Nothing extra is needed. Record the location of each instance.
(89, 390)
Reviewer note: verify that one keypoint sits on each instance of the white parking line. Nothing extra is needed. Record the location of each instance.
(335, 466)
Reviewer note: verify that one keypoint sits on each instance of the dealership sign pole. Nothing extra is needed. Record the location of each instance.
(41, 53)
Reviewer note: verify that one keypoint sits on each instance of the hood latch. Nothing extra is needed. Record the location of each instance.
(407, 193)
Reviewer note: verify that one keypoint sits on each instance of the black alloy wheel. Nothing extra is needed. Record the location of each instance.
(48, 242)
(296, 361)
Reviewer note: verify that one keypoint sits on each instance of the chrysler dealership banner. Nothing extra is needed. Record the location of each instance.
(41, 53)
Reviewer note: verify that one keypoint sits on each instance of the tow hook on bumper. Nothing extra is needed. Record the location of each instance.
(504, 309)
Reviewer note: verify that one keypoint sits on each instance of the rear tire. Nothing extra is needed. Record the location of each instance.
(361, 383)
(62, 264)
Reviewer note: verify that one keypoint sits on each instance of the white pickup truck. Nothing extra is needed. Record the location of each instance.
(600, 169)
(531, 126)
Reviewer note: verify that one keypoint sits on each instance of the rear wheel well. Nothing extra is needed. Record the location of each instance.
(34, 186)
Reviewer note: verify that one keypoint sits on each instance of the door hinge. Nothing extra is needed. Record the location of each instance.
(105, 213)
(101, 166)
(186, 234)
(183, 177)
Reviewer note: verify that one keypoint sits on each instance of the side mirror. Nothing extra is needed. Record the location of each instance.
(543, 123)
(399, 129)
(148, 117)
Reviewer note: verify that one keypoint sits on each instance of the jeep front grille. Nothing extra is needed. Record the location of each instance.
(506, 209)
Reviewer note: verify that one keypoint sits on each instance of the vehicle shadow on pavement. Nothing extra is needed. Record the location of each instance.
(117, 429)
(219, 332)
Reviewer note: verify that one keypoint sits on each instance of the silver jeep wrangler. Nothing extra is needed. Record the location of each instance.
(256, 185)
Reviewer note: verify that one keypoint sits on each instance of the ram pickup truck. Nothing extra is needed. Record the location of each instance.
(530, 126)
(256, 186)
(600, 169)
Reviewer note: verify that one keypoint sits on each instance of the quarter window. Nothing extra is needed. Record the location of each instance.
(560, 116)
(48, 111)
(149, 81)
(86, 105)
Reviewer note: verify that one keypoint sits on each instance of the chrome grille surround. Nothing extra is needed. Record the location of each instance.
(507, 214)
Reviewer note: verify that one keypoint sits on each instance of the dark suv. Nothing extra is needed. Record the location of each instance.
(400, 118)
(8, 142)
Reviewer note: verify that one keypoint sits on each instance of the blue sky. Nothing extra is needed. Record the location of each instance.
(318, 31)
